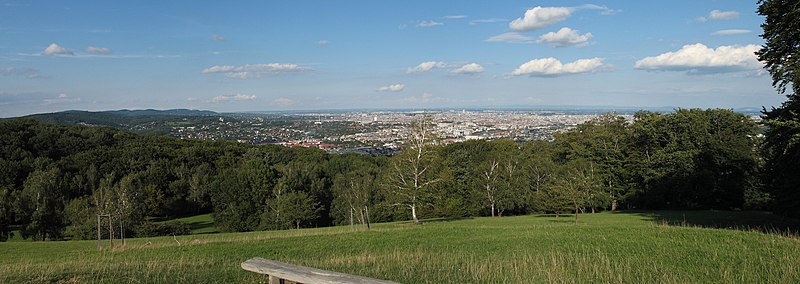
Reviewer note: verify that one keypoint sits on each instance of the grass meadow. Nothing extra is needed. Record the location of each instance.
(632, 247)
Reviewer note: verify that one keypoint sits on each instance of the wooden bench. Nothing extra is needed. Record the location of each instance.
(281, 272)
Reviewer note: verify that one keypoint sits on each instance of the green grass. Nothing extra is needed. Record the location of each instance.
(639, 247)
(200, 224)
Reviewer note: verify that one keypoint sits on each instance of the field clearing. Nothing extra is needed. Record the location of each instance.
(604, 247)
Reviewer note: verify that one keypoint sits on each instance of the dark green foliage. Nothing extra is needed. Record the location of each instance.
(174, 228)
(781, 56)
(692, 159)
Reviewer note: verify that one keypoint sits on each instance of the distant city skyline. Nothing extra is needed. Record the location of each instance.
(307, 55)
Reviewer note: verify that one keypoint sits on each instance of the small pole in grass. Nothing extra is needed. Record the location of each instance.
(99, 243)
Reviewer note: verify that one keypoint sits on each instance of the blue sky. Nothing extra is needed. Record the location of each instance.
(305, 55)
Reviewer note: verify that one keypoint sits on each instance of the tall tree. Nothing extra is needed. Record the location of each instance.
(781, 56)
(415, 170)
(43, 204)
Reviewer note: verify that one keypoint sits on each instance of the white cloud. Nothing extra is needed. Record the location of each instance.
(283, 102)
(550, 67)
(28, 73)
(539, 17)
(698, 59)
(63, 98)
(255, 70)
(98, 50)
(564, 37)
(491, 20)
(455, 17)
(717, 15)
(426, 66)
(468, 69)
(604, 10)
(216, 37)
(513, 37)
(55, 49)
(427, 24)
(236, 97)
(723, 15)
(425, 98)
(392, 88)
(323, 42)
(731, 32)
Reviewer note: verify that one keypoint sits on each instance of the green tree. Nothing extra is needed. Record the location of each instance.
(42, 204)
(296, 208)
(781, 56)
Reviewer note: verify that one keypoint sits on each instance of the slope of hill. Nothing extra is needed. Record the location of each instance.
(141, 121)
(604, 248)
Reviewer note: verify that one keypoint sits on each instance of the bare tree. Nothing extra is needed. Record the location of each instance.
(413, 171)
(490, 175)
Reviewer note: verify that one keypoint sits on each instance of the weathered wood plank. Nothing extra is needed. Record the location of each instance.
(302, 274)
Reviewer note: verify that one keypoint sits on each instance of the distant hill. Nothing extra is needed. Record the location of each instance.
(149, 121)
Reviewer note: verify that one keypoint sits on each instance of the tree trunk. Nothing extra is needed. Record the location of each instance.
(613, 205)
(492, 209)
(366, 209)
(414, 214)
(99, 243)
(592, 209)
(110, 233)
(576, 214)
(122, 232)
(351, 219)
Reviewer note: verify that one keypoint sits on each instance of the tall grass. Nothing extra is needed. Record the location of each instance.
(606, 248)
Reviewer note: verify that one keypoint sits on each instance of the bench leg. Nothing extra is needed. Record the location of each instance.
(275, 280)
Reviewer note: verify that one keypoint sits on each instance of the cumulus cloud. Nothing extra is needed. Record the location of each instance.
(55, 49)
(455, 17)
(392, 88)
(513, 37)
(539, 17)
(255, 70)
(564, 37)
(216, 37)
(236, 97)
(700, 59)
(717, 15)
(468, 69)
(427, 24)
(731, 32)
(551, 67)
(426, 66)
(98, 50)
(323, 42)
(283, 102)
(28, 73)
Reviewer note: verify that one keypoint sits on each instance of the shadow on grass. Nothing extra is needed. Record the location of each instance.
(436, 220)
(733, 220)
(202, 227)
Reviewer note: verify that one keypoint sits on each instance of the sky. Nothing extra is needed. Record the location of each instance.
(311, 55)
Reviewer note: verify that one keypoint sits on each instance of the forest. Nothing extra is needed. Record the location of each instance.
(56, 179)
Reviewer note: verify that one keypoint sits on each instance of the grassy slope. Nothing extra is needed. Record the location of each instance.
(606, 247)
(200, 224)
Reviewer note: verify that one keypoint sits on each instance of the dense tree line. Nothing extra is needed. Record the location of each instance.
(782, 143)
(54, 180)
